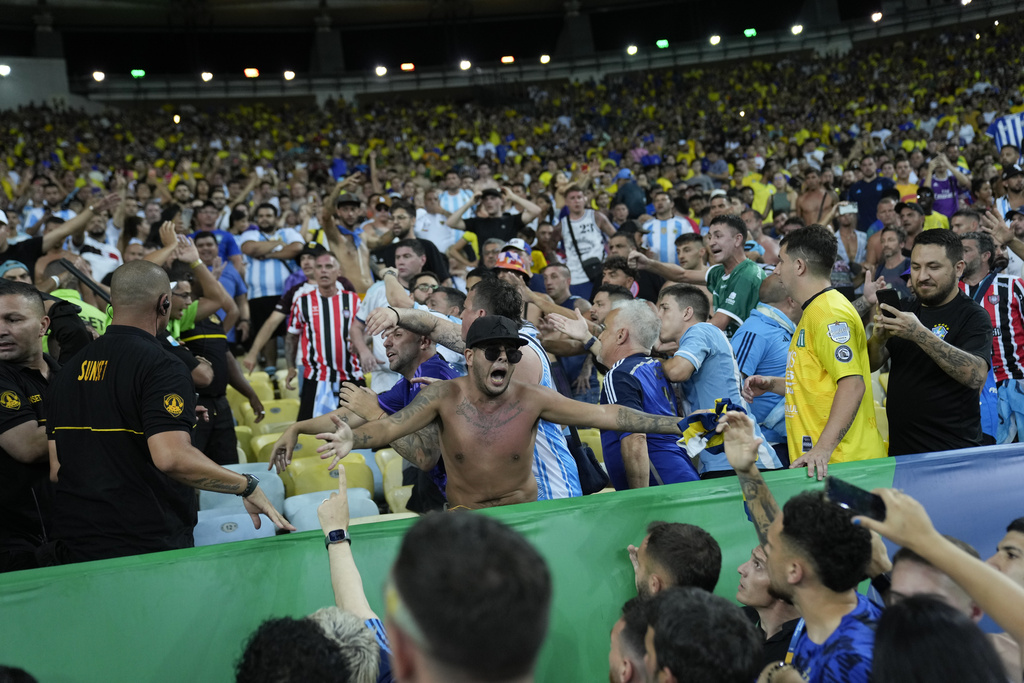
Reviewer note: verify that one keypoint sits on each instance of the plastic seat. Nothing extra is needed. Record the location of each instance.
(306, 475)
(280, 414)
(370, 458)
(398, 498)
(301, 510)
(262, 446)
(270, 483)
(592, 438)
(390, 464)
(305, 447)
(243, 434)
(282, 387)
(882, 420)
(225, 526)
(883, 379)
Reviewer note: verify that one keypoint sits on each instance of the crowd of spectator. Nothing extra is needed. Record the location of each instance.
(673, 250)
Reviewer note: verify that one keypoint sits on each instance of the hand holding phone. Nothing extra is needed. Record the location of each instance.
(855, 499)
(889, 297)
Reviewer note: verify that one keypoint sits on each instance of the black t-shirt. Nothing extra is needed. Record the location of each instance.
(178, 350)
(504, 227)
(436, 263)
(27, 251)
(776, 647)
(207, 339)
(927, 409)
(649, 285)
(26, 495)
(111, 500)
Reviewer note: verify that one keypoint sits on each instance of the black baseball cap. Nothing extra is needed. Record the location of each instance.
(1012, 172)
(1013, 212)
(346, 198)
(313, 249)
(913, 206)
(490, 328)
(491, 192)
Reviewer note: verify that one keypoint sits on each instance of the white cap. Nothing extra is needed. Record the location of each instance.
(3, 218)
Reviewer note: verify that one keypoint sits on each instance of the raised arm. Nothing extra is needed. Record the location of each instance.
(741, 450)
(455, 220)
(56, 235)
(669, 271)
(349, 594)
(441, 331)
(556, 408)
(397, 295)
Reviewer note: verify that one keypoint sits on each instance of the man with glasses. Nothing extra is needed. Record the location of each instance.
(403, 219)
(488, 422)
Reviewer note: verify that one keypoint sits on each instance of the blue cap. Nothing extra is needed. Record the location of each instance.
(624, 173)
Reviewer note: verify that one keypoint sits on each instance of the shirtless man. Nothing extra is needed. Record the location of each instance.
(487, 422)
(814, 203)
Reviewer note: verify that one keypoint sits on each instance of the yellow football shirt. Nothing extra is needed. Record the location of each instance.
(936, 221)
(828, 345)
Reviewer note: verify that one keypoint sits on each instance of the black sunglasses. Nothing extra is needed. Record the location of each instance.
(491, 353)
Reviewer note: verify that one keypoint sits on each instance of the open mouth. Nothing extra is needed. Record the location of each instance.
(497, 376)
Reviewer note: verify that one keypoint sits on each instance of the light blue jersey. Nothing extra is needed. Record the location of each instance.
(662, 238)
(715, 376)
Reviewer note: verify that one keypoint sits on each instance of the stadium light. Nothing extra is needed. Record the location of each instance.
(251, 73)
(876, 17)
(465, 65)
(5, 70)
(977, 36)
(715, 40)
(508, 59)
(742, 113)
(750, 32)
(997, 22)
(408, 66)
(177, 119)
(98, 76)
(381, 70)
(544, 59)
(965, 3)
(289, 75)
(206, 76)
(797, 29)
(662, 44)
(631, 50)
(138, 73)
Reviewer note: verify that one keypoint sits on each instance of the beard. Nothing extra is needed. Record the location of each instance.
(935, 298)
(778, 595)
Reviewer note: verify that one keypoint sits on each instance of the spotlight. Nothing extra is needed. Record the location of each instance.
(251, 73)
(797, 29)
(138, 73)
(289, 75)
(662, 44)
(715, 40)
(5, 70)
(750, 32)
(876, 17)
(544, 59)
(98, 76)
(177, 119)
(408, 66)
(465, 64)
(977, 36)
(381, 70)
(742, 113)
(631, 50)
(965, 3)
(508, 59)
(206, 76)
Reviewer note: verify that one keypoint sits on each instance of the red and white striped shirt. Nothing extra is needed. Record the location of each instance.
(1004, 301)
(324, 325)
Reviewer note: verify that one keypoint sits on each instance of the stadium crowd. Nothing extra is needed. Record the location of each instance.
(727, 270)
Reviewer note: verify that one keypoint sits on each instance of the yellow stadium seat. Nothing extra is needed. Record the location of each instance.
(306, 475)
(883, 422)
(243, 434)
(883, 379)
(592, 438)
(242, 457)
(261, 446)
(389, 462)
(305, 447)
(279, 414)
(282, 387)
(398, 498)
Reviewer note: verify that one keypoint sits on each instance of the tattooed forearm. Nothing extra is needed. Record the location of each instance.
(760, 502)
(422, 448)
(291, 345)
(443, 332)
(208, 484)
(629, 420)
(862, 306)
(964, 367)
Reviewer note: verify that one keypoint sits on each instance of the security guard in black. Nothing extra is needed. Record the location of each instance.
(111, 500)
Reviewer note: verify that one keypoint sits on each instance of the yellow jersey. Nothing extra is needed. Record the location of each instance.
(936, 221)
(828, 345)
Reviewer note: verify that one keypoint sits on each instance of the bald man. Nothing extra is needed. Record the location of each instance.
(119, 427)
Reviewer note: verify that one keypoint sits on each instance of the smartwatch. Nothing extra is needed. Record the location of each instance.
(252, 482)
(337, 536)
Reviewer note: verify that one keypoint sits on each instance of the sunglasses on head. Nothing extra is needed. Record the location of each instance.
(491, 353)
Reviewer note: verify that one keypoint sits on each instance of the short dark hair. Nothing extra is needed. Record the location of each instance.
(942, 237)
(453, 296)
(795, 220)
(498, 297)
(700, 636)
(422, 274)
(25, 291)
(687, 237)
(615, 292)
(985, 243)
(921, 638)
(816, 245)
(688, 295)
(969, 214)
(573, 188)
(13, 674)
(734, 222)
(822, 532)
(204, 234)
(403, 204)
(288, 649)
(479, 591)
(266, 205)
(1016, 525)
(908, 555)
(634, 615)
(901, 234)
(689, 553)
(619, 263)
(482, 273)
(414, 244)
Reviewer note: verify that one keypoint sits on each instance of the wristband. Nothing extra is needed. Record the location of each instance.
(251, 483)
(337, 536)
(56, 281)
(398, 318)
(590, 342)
(196, 264)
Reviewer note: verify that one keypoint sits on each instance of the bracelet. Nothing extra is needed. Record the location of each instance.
(398, 318)
(590, 342)
(56, 281)
(196, 264)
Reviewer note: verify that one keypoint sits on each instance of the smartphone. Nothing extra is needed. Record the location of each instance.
(854, 499)
(845, 209)
(889, 297)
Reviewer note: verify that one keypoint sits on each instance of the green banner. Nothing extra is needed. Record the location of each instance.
(185, 615)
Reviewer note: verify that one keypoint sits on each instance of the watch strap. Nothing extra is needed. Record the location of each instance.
(337, 536)
(252, 481)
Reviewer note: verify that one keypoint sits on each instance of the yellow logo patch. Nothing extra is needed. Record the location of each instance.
(173, 404)
(10, 400)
